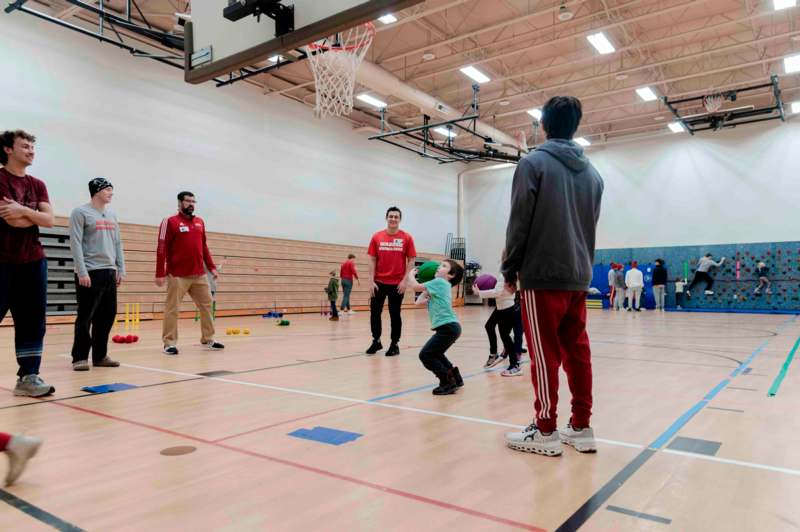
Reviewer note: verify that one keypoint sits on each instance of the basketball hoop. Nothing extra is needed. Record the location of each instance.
(713, 102)
(334, 62)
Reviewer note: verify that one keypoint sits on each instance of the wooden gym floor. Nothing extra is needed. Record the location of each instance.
(688, 437)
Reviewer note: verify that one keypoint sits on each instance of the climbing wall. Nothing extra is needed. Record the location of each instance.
(734, 282)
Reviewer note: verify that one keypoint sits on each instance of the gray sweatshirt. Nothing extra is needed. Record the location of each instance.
(555, 205)
(95, 241)
(706, 264)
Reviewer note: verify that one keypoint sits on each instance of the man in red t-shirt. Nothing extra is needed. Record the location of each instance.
(391, 253)
(24, 207)
(347, 273)
(180, 260)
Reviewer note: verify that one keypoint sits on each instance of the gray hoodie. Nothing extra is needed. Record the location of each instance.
(555, 205)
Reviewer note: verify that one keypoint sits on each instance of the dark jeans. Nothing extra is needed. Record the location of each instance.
(347, 287)
(701, 277)
(433, 352)
(334, 312)
(376, 309)
(23, 291)
(490, 325)
(97, 310)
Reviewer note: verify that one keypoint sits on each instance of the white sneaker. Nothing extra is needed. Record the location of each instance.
(514, 371)
(19, 450)
(582, 440)
(709, 292)
(530, 440)
(351, 311)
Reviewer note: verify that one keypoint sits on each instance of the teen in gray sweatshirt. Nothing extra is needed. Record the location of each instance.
(96, 248)
(555, 205)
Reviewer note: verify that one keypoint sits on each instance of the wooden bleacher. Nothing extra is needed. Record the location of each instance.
(257, 274)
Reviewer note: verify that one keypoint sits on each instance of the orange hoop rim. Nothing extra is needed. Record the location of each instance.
(314, 47)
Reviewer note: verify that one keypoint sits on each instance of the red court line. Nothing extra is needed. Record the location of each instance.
(286, 422)
(311, 469)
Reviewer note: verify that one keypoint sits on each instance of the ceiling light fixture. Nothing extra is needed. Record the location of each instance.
(388, 19)
(446, 132)
(475, 74)
(582, 141)
(366, 98)
(791, 63)
(564, 14)
(783, 4)
(646, 94)
(601, 43)
(536, 113)
(676, 127)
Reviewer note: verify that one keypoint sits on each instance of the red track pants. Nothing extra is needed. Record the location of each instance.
(555, 331)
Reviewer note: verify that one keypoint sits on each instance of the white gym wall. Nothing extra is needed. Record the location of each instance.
(260, 165)
(738, 185)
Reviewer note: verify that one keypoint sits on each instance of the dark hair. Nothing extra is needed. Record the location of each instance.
(708, 255)
(660, 262)
(456, 270)
(7, 139)
(396, 209)
(351, 256)
(182, 195)
(561, 116)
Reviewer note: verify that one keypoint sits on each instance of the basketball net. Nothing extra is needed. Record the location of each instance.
(334, 62)
(712, 102)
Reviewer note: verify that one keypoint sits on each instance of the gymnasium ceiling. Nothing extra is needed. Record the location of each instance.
(677, 47)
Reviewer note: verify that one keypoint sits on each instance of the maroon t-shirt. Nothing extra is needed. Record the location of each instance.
(18, 246)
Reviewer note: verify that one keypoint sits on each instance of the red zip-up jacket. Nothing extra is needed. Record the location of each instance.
(182, 247)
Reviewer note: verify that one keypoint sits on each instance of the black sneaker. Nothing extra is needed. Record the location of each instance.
(374, 347)
(214, 346)
(393, 351)
(456, 374)
(170, 350)
(447, 385)
(524, 350)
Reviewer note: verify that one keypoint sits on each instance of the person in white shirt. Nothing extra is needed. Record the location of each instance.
(505, 316)
(703, 274)
(634, 280)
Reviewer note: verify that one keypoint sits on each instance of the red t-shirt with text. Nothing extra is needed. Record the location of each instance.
(19, 246)
(392, 253)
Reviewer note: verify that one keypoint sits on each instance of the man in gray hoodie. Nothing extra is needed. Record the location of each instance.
(96, 248)
(550, 239)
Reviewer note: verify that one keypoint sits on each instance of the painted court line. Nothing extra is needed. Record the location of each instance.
(354, 402)
(596, 501)
(776, 384)
(37, 513)
(640, 515)
(322, 472)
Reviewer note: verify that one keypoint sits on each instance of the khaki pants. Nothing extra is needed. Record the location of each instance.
(197, 286)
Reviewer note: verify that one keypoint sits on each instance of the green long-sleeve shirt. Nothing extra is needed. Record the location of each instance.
(333, 289)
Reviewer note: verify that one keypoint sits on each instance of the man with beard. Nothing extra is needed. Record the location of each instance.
(182, 252)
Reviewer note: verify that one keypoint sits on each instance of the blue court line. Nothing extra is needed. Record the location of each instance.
(596, 501)
(640, 515)
(773, 390)
(432, 386)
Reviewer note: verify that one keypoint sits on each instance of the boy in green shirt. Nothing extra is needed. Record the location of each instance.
(333, 293)
(438, 295)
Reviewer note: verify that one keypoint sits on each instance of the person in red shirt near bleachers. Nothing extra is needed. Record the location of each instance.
(182, 253)
(347, 273)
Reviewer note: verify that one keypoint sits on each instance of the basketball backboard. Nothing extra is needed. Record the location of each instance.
(215, 45)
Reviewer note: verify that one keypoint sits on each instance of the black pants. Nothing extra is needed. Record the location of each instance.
(376, 309)
(97, 310)
(518, 331)
(702, 277)
(433, 352)
(334, 312)
(23, 291)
